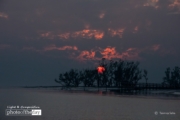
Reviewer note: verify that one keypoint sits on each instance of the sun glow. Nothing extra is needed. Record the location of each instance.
(100, 69)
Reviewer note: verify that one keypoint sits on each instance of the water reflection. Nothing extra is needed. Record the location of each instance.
(86, 105)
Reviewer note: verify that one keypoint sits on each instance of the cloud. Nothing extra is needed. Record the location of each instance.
(108, 53)
(86, 55)
(50, 48)
(151, 3)
(102, 15)
(3, 15)
(155, 47)
(111, 53)
(88, 33)
(64, 36)
(48, 35)
(174, 6)
(54, 47)
(85, 33)
(4, 46)
(136, 29)
(116, 32)
(95, 34)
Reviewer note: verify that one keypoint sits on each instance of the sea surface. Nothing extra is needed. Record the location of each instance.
(79, 105)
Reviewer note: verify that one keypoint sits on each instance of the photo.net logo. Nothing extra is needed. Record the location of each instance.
(23, 112)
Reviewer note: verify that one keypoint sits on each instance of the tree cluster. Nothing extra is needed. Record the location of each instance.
(172, 77)
(117, 74)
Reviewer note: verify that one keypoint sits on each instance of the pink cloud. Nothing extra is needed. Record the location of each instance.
(54, 47)
(174, 4)
(110, 53)
(86, 55)
(151, 3)
(3, 15)
(48, 35)
(88, 33)
(85, 33)
(116, 32)
(155, 47)
(64, 35)
(101, 15)
(136, 29)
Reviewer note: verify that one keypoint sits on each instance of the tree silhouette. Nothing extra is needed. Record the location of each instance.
(172, 78)
(145, 76)
(124, 74)
(88, 77)
(132, 74)
(69, 79)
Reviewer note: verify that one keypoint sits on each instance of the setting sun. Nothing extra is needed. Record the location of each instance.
(100, 69)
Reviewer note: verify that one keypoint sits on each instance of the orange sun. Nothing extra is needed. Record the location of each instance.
(100, 69)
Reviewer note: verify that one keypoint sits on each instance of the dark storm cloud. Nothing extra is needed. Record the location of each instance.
(44, 32)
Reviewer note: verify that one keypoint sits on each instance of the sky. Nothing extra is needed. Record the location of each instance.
(40, 39)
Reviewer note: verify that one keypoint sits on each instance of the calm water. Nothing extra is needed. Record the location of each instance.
(84, 106)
